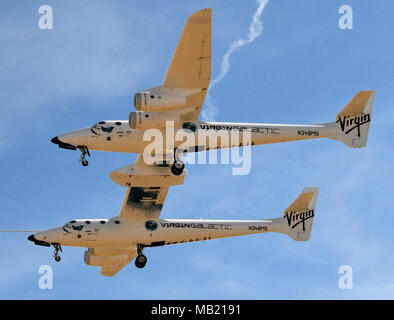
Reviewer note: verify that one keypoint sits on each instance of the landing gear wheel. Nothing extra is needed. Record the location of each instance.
(177, 167)
(140, 261)
(56, 253)
(84, 152)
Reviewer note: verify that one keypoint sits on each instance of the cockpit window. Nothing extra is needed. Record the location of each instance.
(77, 228)
(68, 224)
(101, 122)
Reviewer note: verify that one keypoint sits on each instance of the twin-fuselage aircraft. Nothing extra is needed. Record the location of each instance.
(175, 106)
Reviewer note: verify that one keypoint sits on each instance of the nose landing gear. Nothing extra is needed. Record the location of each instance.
(84, 151)
(56, 252)
(140, 260)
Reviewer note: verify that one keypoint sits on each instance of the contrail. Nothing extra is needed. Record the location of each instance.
(255, 30)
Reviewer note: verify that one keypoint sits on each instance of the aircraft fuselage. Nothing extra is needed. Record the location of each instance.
(114, 233)
(117, 136)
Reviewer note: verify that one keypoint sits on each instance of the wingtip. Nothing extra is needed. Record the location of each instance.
(205, 11)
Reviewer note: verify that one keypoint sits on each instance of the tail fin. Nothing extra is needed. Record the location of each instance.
(353, 121)
(298, 217)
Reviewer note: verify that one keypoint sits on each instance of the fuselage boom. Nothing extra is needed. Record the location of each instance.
(117, 136)
(114, 233)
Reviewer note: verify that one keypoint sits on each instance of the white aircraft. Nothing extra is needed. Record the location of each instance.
(179, 100)
(113, 243)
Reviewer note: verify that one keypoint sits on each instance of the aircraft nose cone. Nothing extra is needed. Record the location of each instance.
(31, 238)
(55, 140)
(62, 144)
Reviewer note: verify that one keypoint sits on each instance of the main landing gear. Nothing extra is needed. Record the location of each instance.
(84, 152)
(140, 260)
(56, 252)
(177, 167)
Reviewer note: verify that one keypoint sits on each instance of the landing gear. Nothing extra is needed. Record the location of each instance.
(56, 253)
(140, 260)
(84, 152)
(177, 167)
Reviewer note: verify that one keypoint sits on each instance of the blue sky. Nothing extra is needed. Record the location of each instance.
(301, 69)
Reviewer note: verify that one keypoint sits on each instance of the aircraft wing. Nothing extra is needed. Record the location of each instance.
(190, 66)
(143, 202)
(189, 72)
(110, 260)
(147, 188)
(112, 270)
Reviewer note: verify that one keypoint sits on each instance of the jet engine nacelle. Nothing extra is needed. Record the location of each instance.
(146, 120)
(154, 102)
(92, 260)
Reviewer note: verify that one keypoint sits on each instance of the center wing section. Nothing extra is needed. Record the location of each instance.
(143, 202)
(147, 188)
